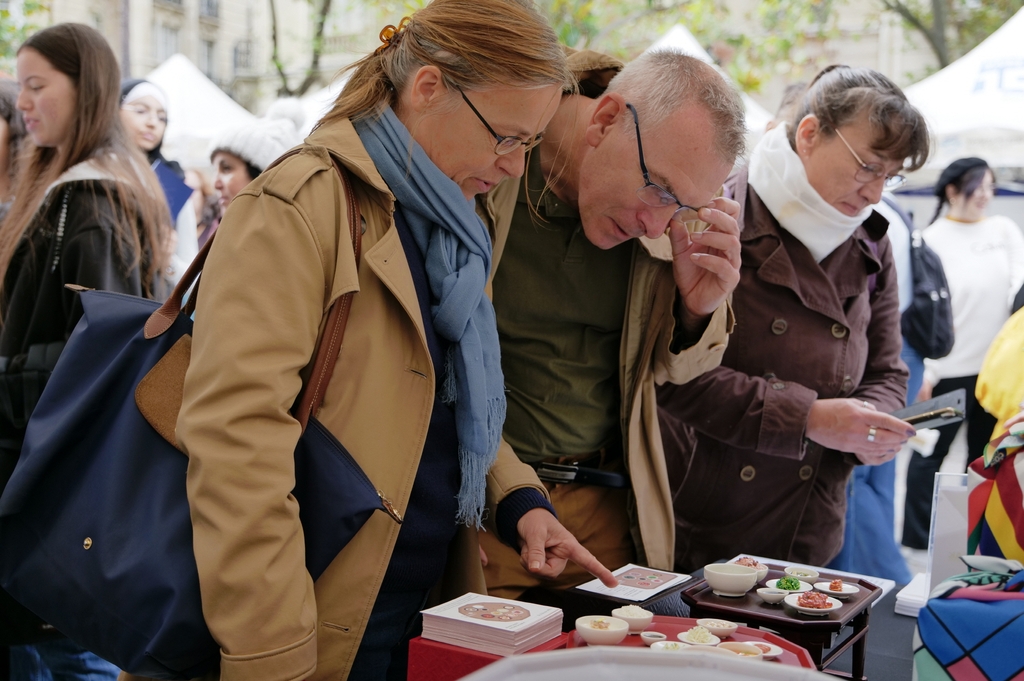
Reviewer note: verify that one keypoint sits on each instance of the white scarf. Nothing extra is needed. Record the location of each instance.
(777, 175)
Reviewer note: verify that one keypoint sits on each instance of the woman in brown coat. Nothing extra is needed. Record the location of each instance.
(760, 449)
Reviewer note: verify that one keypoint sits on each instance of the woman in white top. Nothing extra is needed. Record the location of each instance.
(144, 117)
(983, 257)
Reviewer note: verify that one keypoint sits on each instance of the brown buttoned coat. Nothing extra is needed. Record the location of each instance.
(744, 477)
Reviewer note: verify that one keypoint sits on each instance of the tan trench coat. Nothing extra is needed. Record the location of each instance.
(282, 256)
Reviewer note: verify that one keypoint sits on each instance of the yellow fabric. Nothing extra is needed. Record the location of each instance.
(1000, 387)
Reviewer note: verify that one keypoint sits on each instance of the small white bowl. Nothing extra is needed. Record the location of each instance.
(730, 579)
(744, 650)
(720, 628)
(771, 596)
(651, 637)
(636, 623)
(804, 574)
(613, 635)
(669, 647)
(762, 569)
(684, 637)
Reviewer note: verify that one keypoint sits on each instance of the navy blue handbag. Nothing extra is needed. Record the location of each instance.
(94, 523)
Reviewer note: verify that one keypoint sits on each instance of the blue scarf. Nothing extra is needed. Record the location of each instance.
(457, 250)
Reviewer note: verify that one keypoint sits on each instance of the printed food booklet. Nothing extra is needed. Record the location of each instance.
(491, 625)
(636, 583)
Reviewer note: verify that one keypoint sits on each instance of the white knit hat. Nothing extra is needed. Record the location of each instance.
(260, 142)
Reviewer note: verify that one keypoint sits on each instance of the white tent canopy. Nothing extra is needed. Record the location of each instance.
(197, 110)
(975, 106)
(680, 39)
(316, 104)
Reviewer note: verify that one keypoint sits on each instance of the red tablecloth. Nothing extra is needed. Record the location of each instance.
(670, 626)
(433, 661)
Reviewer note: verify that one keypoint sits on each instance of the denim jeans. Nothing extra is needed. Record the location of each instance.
(59, 660)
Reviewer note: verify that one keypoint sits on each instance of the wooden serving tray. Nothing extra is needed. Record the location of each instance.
(792, 654)
(751, 607)
(816, 633)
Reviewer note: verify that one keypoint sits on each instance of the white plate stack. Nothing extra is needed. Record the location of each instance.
(913, 596)
(491, 625)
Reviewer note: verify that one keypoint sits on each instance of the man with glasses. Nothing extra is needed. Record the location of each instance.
(601, 291)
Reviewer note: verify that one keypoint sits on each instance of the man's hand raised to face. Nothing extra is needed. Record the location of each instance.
(706, 265)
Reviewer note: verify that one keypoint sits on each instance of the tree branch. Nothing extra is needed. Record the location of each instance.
(313, 72)
(939, 26)
(284, 90)
(934, 34)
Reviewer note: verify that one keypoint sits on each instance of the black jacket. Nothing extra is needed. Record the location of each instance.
(39, 313)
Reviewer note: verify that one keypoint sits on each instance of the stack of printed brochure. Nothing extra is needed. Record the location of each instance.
(491, 625)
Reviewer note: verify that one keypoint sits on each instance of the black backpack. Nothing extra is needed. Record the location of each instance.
(928, 323)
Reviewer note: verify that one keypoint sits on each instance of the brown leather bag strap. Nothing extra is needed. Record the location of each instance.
(337, 318)
(164, 316)
(329, 347)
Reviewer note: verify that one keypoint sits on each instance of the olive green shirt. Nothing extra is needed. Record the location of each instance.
(560, 303)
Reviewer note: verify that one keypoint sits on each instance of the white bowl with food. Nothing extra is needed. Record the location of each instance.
(802, 573)
(789, 583)
(669, 647)
(651, 637)
(837, 588)
(601, 630)
(812, 603)
(698, 636)
(636, 617)
(769, 651)
(744, 650)
(772, 596)
(720, 628)
(730, 579)
(762, 569)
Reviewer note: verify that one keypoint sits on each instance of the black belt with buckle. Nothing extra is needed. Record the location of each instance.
(583, 475)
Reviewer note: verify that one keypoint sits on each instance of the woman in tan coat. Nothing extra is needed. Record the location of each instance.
(441, 112)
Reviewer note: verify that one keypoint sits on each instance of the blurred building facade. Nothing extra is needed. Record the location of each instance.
(231, 41)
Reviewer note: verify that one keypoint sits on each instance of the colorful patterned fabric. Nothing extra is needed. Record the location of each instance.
(996, 502)
(972, 628)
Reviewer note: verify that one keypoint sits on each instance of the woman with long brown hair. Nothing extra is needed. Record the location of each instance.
(87, 211)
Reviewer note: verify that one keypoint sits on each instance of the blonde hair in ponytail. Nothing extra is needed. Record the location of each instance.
(475, 44)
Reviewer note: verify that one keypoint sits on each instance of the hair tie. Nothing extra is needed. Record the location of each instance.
(390, 35)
